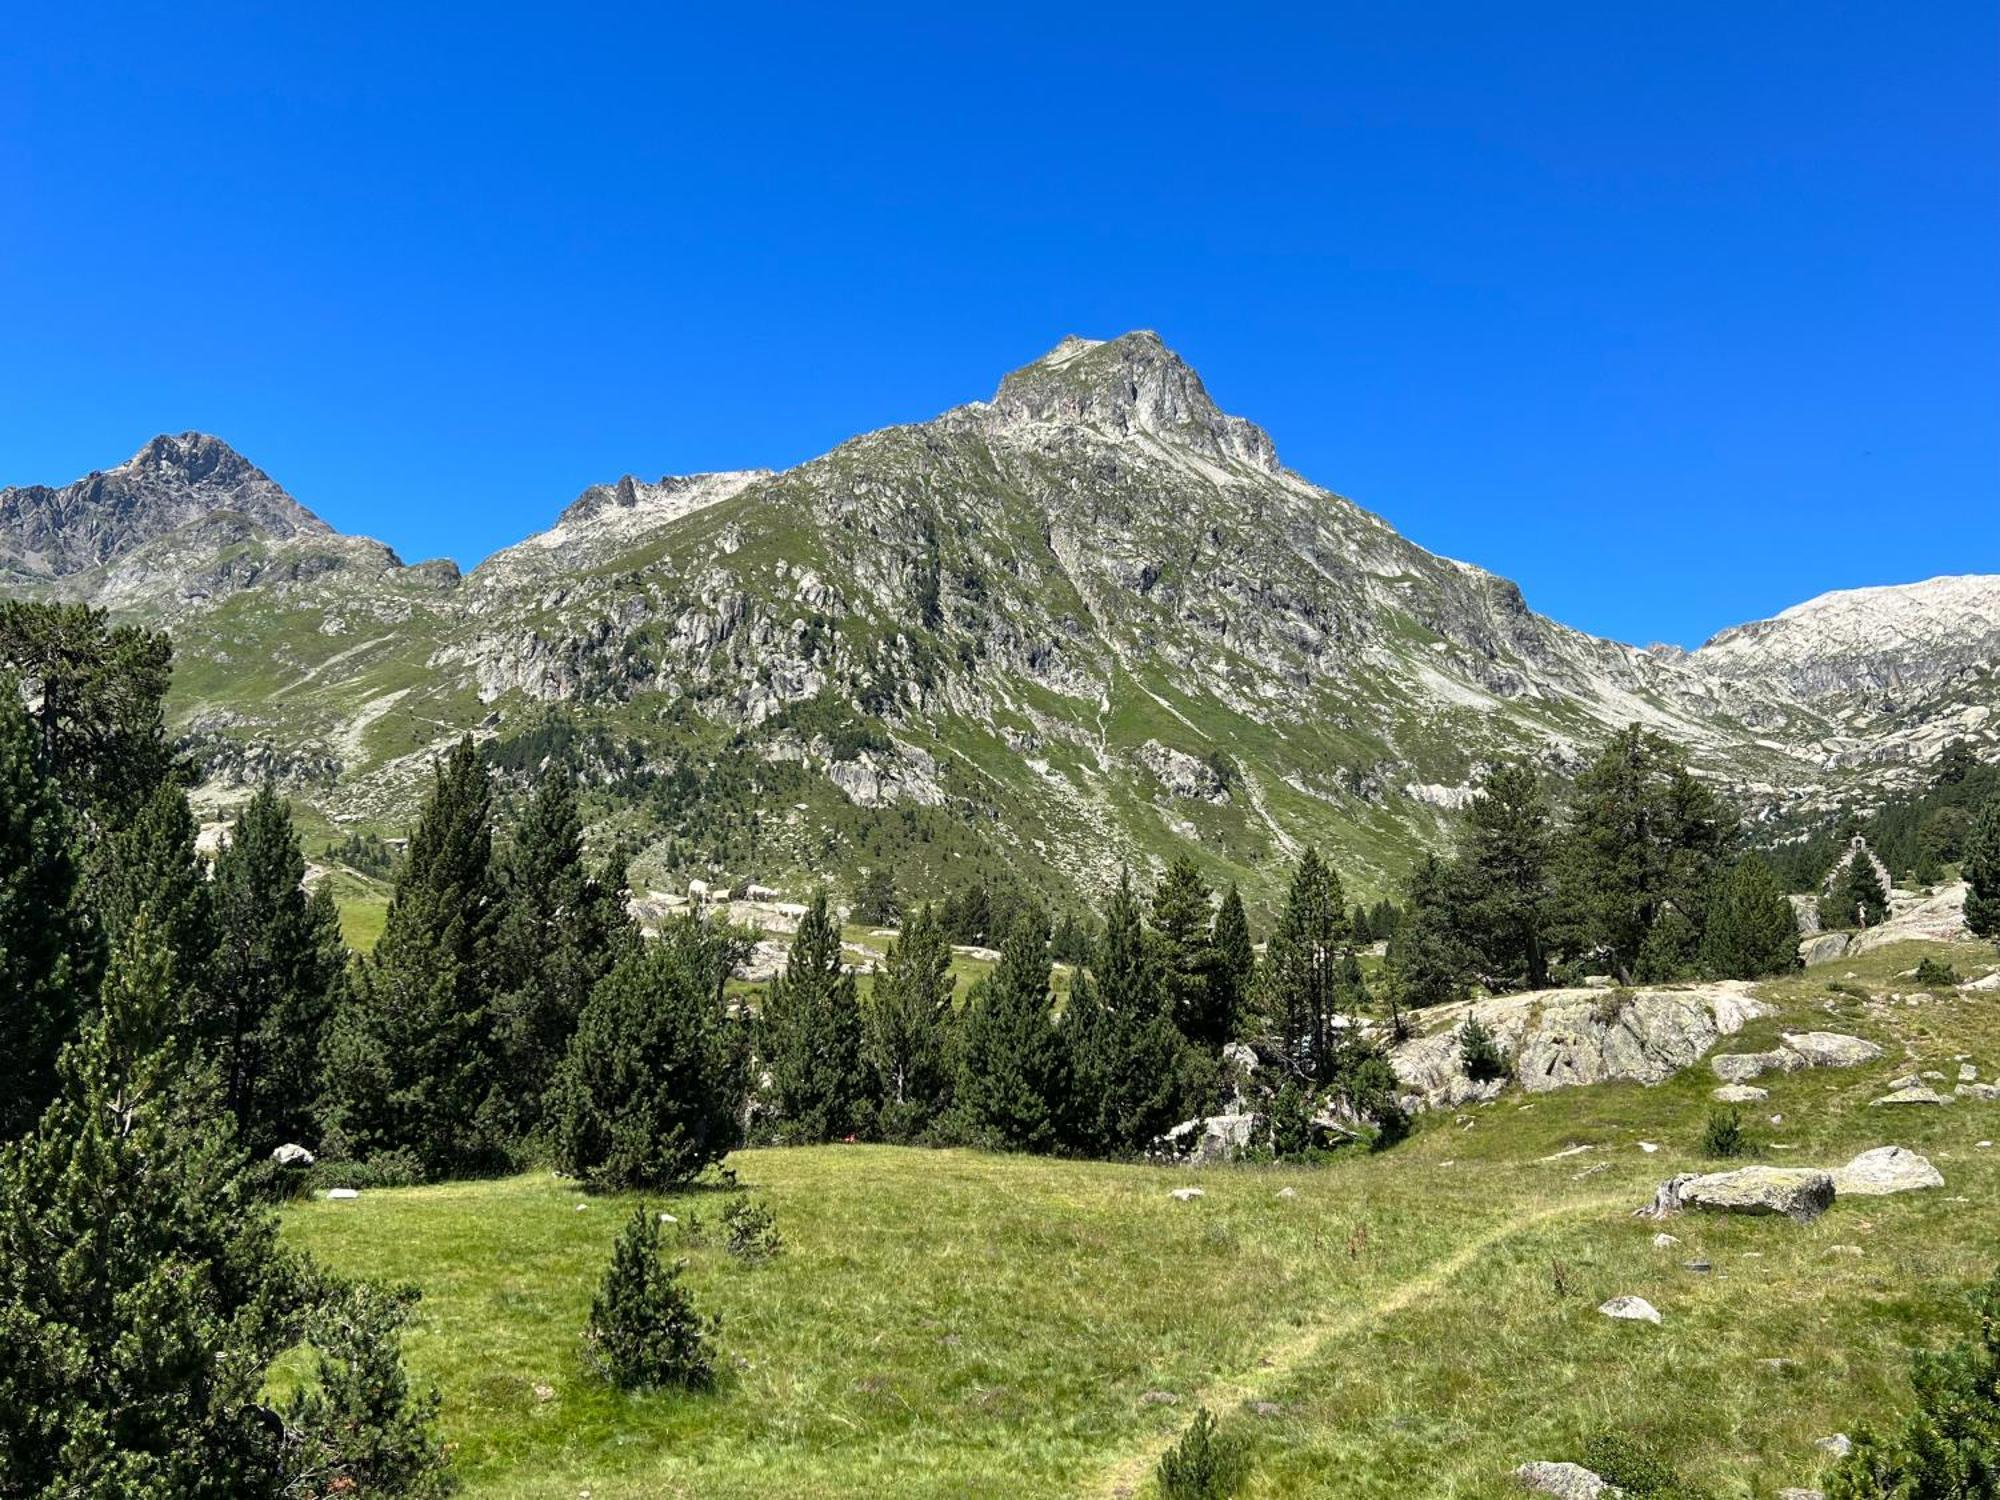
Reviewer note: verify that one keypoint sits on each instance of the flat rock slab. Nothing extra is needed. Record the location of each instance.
(1980, 1093)
(1631, 1310)
(1739, 1093)
(1741, 1067)
(1830, 1049)
(1885, 1170)
(1563, 1481)
(1799, 1193)
(1917, 1094)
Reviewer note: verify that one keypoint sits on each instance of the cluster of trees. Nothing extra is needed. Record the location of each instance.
(1635, 872)
(159, 1029)
(1916, 836)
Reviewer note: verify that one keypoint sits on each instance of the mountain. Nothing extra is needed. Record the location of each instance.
(172, 481)
(1087, 624)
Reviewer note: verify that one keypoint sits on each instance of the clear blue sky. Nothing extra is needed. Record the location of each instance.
(1677, 314)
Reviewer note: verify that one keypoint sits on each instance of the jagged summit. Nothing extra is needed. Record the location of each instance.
(1133, 385)
(173, 480)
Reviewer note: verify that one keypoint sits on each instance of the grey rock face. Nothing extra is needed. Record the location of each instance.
(1799, 1193)
(1830, 1049)
(1885, 1170)
(53, 532)
(1824, 948)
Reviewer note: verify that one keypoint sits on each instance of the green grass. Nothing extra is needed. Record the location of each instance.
(1420, 1322)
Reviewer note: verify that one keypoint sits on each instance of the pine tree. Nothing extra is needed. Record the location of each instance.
(812, 1034)
(1125, 1053)
(410, 1059)
(1198, 995)
(1855, 896)
(144, 1294)
(1642, 847)
(98, 696)
(648, 1092)
(1503, 895)
(1751, 930)
(151, 864)
(1235, 963)
(1013, 1077)
(277, 976)
(908, 1027)
(875, 898)
(1301, 974)
(1427, 962)
(47, 951)
(644, 1331)
(558, 932)
(1982, 872)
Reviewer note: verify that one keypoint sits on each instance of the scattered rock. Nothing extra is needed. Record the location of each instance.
(544, 1393)
(1664, 1241)
(1699, 1267)
(1266, 1409)
(1741, 1067)
(1288, 1192)
(1649, 1147)
(1967, 1073)
(1631, 1310)
(1916, 1095)
(1839, 1445)
(1885, 1170)
(341, 1194)
(1830, 1049)
(1799, 1494)
(1188, 1195)
(292, 1156)
(1777, 1366)
(1799, 1193)
(1159, 1398)
(1982, 1093)
(1563, 1481)
(1851, 1250)
(1739, 1093)
(1566, 1151)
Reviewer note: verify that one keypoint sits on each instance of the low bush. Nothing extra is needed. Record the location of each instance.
(1724, 1135)
(644, 1331)
(1934, 973)
(1637, 1470)
(1206, 1464)
(751, 1230)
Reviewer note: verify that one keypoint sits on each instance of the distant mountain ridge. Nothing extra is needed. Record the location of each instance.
(1088, 623)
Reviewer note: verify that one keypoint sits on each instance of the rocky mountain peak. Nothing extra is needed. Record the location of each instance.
(1133, 385)
(48, 532)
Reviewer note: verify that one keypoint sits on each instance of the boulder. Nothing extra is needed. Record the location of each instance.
(1741, 1067)
(1982, 1093)
(1967, 1073)
(1914, 1094)
(339, 1194)
(1631, 1310)
(1830, 1049)
(1187, 1195)
(1800, 1193)
(1885, 1170)
(1739, 1093)
(1664, 1241)
(1839, 1445)
(1559, 1039)
(292, 1156)
(1563, 1481)
(1210, 1138)
(1824, 948)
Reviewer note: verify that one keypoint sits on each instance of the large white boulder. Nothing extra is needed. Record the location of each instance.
(1885, 1170)
(1563, 1481)
(1830, 1049)
(1630, 1310)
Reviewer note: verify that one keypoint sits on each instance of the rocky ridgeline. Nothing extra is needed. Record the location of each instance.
(1096, 604)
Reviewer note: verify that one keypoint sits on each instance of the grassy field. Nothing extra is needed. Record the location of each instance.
(1413, 1323)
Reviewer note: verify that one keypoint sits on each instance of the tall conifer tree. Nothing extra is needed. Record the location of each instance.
(1013, 1076)
(1302, 969)
(46, 948)
(908, 1027)
(812, 1034)
(410, 1062)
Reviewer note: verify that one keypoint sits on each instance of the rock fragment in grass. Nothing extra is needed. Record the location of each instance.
(1563, 1481)
(341, 1194)
(1979, 1093)
(1664, 1241)
(1799, 1494)
(1159, 1398)
(1966, 1074)
(1739, 1093)
(1188, 1195)
(1839, 1445)
(1885, 1170)
(1917, 1094)
(1830, 1049)
(1288, 1192)
(1631, 1310)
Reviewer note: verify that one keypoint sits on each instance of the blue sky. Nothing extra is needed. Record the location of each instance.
(1675, 314)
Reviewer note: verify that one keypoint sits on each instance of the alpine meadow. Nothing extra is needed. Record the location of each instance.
(1038, 951)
